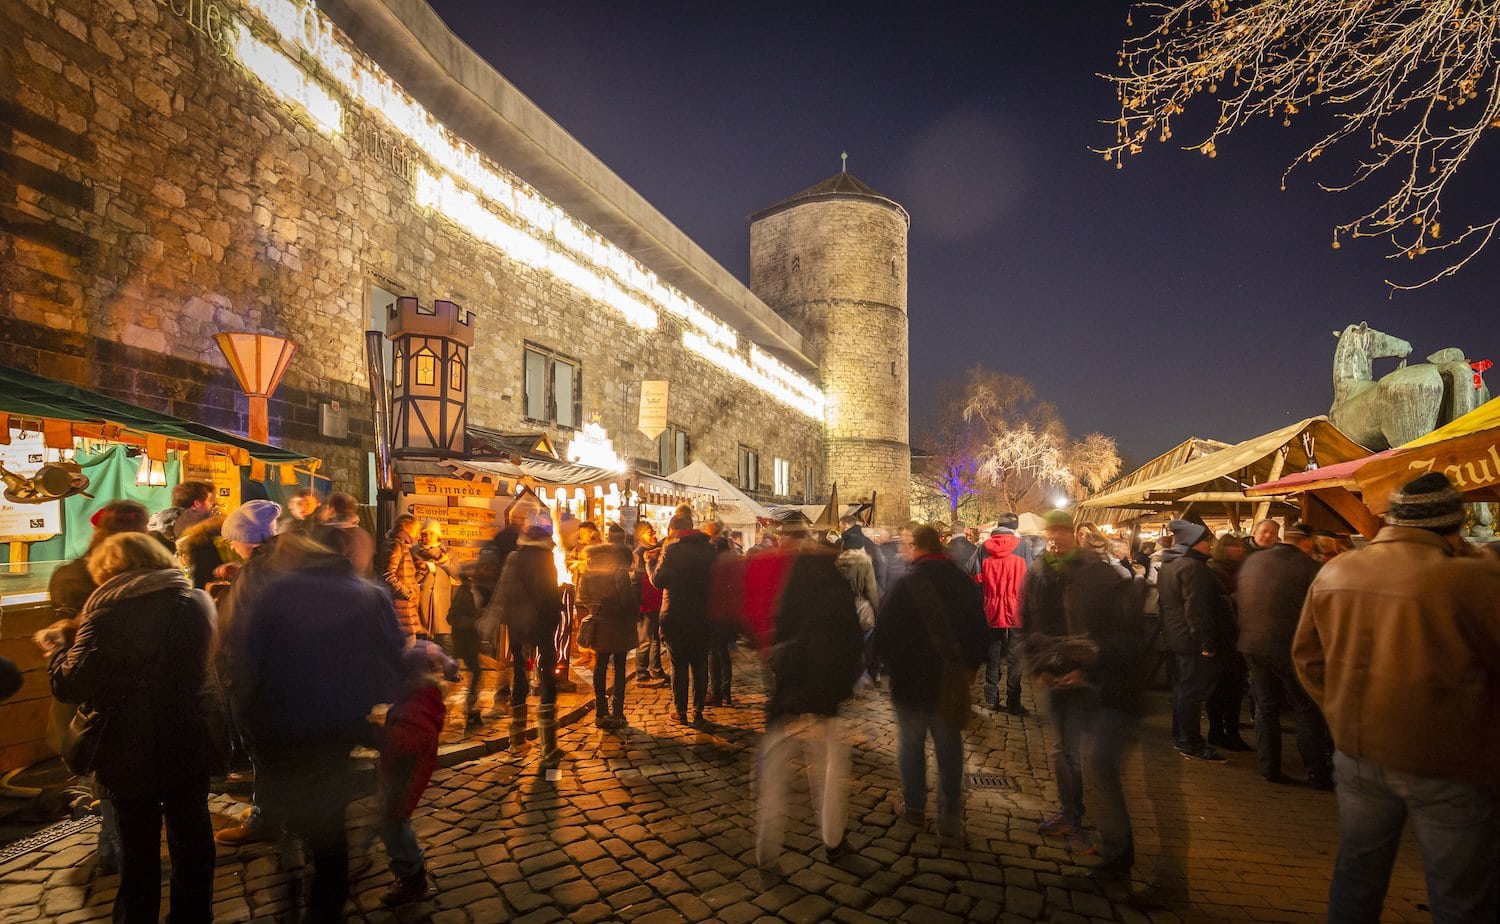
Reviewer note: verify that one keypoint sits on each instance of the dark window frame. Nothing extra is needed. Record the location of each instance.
(747, 475)
(551, 359)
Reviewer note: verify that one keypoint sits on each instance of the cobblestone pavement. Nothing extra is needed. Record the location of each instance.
(655, 824)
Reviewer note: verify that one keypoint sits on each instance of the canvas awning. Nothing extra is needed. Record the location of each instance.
(1467, 450)
(33, 400)
(734, 507)
(1221, 477)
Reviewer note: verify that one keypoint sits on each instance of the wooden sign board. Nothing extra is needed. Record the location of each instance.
(1471, 462)
(653, 418)
(481, 515)
(219, 471)
(451, 487)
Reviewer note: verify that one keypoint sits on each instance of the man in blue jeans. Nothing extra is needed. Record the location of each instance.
(1399, 643)
(930, 637)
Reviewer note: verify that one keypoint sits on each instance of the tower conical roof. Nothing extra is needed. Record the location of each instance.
(842, 185)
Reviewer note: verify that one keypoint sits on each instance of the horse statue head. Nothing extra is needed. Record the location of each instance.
(1359, 345)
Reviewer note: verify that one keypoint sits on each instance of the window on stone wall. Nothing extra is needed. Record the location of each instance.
(809, 484)
(781, 477)
(554, 387)
(456, 375)
(749, 472)
(672, 450)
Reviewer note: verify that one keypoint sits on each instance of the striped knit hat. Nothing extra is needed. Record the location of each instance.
(1430, 502)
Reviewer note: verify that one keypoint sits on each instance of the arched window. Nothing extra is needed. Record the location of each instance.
(424, 367)
(456, 375)
(398, 368)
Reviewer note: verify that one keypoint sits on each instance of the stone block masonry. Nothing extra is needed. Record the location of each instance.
(153, 192)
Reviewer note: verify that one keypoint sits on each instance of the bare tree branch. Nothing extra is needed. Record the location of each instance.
(1416, 80)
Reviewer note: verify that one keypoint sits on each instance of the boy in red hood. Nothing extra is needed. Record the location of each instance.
(1001, 575)
(407, 758)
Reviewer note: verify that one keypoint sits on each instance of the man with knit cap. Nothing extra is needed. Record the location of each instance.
(1400, 644)
(1194, 611)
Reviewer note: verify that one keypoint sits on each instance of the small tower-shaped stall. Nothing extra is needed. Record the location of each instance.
(429, 378)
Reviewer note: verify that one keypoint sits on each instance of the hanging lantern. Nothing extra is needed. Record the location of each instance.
(259, 361)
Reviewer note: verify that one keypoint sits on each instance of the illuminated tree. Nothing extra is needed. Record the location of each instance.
(1023, 458)
(1414, 80)
(1093, 461)
(951, 442)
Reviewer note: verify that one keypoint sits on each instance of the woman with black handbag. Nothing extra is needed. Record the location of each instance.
(138, 666)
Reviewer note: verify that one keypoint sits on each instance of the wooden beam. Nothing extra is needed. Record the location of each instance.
(1351, 509)
(1263, 509)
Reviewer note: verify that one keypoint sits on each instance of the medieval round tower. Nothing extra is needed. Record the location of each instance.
(831, 260)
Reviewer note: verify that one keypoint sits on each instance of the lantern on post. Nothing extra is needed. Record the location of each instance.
(258, 361)
(429, 378)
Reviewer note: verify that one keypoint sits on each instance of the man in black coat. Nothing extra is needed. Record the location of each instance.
(816, 657)
(1272, 588)
(530, 606)
(309, 659)
(1194, 610)
(684, 572)
(931, 636)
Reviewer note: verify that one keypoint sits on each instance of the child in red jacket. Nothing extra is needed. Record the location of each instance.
(407, 759)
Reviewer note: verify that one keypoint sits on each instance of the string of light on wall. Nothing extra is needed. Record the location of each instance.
(530, 224)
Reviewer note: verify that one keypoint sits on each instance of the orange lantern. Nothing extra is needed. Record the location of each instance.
(258, 361)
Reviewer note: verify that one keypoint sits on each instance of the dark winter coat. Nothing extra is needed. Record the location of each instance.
(965, 554)
(1083, 595)
(1273, 586)
(934, 593)
(685, 575)
(491, 562)
(353, 542)
(527, 600)
(817, 645)
(141, 657)
(605, 590)
(198, 548)
(463, 621)
(854, 538)
(399, 571)
(1196, 613)
(312, 654)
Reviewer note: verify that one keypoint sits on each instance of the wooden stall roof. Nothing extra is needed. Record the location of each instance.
(1466, 450)
(1184, 452)
(1222, 476)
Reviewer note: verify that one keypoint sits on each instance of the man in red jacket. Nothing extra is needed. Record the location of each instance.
(1002, 574)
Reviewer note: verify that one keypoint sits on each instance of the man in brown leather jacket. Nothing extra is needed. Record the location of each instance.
(1400, 644)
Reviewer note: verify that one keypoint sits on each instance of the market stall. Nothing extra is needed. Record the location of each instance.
(732, 507)
(1213, 486)
(109, 450)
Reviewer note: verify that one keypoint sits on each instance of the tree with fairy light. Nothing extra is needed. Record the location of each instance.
(1412, 81)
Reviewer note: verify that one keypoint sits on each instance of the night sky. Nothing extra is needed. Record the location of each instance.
(1178, 297)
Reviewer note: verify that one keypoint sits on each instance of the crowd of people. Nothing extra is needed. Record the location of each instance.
(217, 659)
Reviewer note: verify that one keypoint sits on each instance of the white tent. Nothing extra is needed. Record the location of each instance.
(736, 510)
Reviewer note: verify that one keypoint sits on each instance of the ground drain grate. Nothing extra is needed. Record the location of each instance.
(46, 836)
(990, 781)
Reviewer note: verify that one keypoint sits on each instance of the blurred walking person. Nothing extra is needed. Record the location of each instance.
(408, 755)
(931, 636)
(1065, 589)
(648, 666)
(529, 604)
(1194, 611)
(140, 661)
(816, 657)
(308, 661)
(724, 617)
(608, 629)
(342, 533)
(1399, 642)
(685, 575)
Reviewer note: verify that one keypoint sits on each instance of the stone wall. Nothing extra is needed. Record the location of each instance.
(153, 192)
(836, 269)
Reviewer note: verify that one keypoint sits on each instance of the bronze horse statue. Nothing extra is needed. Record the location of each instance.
(1411, 401)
